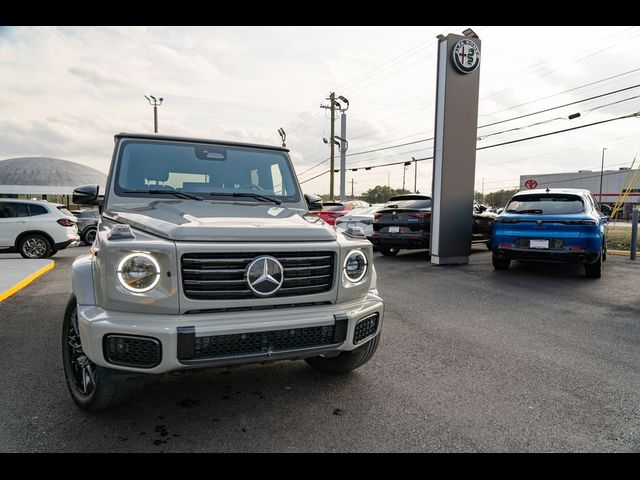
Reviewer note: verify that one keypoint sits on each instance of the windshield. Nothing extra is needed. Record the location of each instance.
(203, 170)
(545, 204)
(332, 207)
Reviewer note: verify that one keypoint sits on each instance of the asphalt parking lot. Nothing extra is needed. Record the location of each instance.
(532, 359)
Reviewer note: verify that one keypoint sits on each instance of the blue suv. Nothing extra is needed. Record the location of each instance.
(557, 225)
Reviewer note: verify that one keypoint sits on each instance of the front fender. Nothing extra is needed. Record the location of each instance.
(82, 280)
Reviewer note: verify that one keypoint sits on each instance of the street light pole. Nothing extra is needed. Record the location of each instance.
(601, 174)
(155, 103)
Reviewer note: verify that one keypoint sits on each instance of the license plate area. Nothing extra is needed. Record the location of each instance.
(394, 229)
(351, 225)
(538, 243)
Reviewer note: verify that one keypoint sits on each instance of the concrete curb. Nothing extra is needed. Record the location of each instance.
(619, 252)
(26, 281)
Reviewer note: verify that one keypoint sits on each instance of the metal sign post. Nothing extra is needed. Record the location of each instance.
(455, 148)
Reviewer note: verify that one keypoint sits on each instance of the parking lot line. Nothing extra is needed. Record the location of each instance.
(26, 281)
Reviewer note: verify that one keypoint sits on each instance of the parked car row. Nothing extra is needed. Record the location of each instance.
(550, 225)
(405, 223)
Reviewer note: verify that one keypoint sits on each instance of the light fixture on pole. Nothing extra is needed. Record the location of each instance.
(155, 103)
(601, 174)
(283, 136)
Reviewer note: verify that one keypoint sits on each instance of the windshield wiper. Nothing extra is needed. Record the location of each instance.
(257, 196)
(175, 193)
(525, 211)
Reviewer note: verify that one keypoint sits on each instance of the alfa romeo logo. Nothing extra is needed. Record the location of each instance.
(265, 276)
(466, 55)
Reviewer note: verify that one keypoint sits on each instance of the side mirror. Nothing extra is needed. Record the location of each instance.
(314, 202)
(482, 207)
(606, 210)
(87, 195)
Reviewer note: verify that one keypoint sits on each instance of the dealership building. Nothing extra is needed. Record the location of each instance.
(614, 183)
(44, 178)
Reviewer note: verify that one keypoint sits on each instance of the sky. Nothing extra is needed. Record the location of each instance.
(67, 90)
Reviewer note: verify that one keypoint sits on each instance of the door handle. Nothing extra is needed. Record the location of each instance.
(22, 221)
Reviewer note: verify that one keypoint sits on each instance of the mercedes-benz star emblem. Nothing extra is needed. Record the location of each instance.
(265, 276)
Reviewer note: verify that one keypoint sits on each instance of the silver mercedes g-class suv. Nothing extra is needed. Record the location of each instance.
(206, 255)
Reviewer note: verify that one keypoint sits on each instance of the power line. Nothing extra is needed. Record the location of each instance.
(631, 115)
(390, 147)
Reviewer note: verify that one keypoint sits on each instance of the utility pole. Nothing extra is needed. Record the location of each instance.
(482, 189)
(404, 172)
(415, 175)
(389, 180)
(155, 103)
(352, 195)
(332, 107)
(601, 172)
(343, 145)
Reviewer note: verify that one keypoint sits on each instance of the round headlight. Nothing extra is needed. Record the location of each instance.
(138, 272)
(355, 266)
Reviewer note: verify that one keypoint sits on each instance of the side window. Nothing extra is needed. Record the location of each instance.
(12, 210)
(37, 210)
(21, 209)
(5, 211)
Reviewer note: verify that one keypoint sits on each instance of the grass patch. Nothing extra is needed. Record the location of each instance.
(619, 238)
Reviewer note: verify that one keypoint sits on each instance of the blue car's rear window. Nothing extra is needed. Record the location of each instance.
(545, 204)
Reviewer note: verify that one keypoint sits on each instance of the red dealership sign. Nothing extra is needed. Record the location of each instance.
(530, 184)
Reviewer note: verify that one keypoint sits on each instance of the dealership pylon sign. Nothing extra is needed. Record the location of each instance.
(454, 155)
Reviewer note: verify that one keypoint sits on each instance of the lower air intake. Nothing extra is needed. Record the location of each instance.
(262, 342)
(132, 351)
(365, 327)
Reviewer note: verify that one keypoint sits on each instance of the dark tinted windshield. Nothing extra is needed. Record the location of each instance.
(546, 204)
(202, 169)
(410, 203)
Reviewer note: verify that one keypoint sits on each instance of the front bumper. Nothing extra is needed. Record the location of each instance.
(95, 323)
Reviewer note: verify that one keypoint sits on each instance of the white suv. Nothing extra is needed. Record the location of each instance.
(36, 229)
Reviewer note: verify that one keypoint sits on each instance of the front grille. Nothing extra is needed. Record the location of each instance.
(222, 276)
(131, 351)
(365, 327)
(262, 342)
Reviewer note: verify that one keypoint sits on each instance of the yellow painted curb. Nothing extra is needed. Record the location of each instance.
(23, 283)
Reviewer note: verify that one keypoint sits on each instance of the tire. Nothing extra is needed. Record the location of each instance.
(594, 270)
(53, 252)
(345, 362)
(500, 263)
(34, 246)
(488, 245)
(389, 252)
(92, 388)
(89, 235)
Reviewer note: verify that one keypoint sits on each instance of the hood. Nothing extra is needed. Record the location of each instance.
(194, 221)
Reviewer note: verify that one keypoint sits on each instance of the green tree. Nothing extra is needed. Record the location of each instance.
(477, 196)
(499, 198)
(381, 193)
